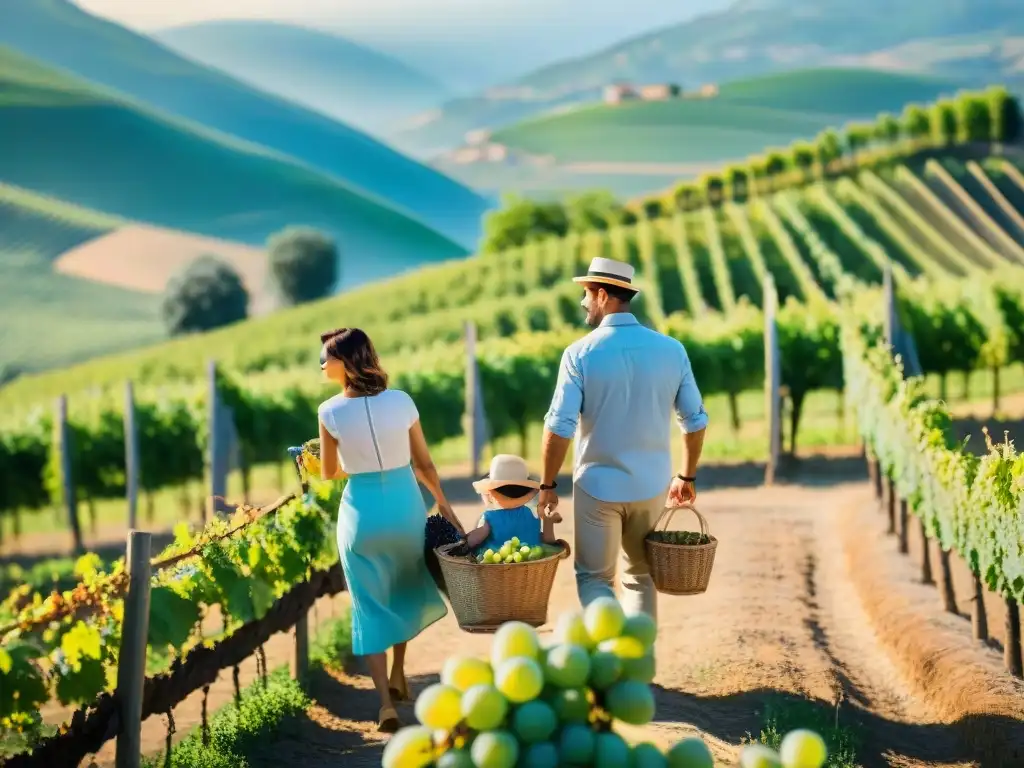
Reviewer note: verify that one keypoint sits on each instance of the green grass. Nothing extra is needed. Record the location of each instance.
(747, 116)
(783, 716)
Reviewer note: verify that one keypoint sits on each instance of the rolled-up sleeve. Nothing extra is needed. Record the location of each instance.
(690, 413)
(564, 413)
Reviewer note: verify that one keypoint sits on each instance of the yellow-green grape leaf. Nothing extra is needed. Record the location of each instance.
(6, 662)
(171, 618)
(80, 643)
(22, 686)
(262, 597)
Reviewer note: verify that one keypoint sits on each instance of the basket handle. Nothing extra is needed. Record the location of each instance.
(566, 549)
(669, 512)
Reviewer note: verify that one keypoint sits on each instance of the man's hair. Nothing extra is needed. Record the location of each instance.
(625, 295)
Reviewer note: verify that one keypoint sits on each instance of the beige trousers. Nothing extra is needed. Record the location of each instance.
(603, 529)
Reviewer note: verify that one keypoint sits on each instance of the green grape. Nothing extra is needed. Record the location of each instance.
(514, 638)
(759, 756)
(642, 627)
(517, 557)
(525, 550)
(631, 702)
(605, 669)
(534, 721)
(514, 541)
(411, 747)
(691, 752)
(642, 669)
(646, 755)
(541, 755)
(576, 745)
(604, 619)
(623, 647)
(570, 629)
(802, 749)
(519, 679)
(439, 707)
(455, 758)
(463, 672)
(567, 666)
(571, 705)
(611, 751)
(483, 707)
(495, 749)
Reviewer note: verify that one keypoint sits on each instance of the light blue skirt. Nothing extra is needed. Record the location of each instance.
(381, 528)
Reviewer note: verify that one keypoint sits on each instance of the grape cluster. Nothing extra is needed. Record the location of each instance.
(545, 706)
(514, 551)
(687, 538)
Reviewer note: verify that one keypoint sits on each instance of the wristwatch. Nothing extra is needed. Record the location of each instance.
(551, 487)
(686, 479)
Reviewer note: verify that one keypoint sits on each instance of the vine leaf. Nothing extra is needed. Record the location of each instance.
(82, 685)
(171, 618)
(81, 643)
(262, 597)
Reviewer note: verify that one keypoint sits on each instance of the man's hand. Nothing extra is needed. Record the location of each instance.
(547, 503)
(681, 492)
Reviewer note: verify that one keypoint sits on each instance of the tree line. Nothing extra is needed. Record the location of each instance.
(990, 116)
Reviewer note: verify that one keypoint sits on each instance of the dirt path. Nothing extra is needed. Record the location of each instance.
(781, 623)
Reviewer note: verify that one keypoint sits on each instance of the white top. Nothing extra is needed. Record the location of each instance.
(372, 432)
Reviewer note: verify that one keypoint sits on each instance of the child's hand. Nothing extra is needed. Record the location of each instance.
(553, 516)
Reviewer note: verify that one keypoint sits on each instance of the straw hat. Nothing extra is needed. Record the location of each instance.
(609, 272)
(506, 470)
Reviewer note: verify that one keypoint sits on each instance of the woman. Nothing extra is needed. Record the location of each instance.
(371, 433)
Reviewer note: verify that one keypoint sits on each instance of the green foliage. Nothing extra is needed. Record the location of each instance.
(303, 264)
(944, 122)
(332, 646)
(916, 122)
(242, 567)
(595, 210)
(887, 128)
(520, 221)
(803, 156)
(829, 148)
(974, 120)
(206, 294)
(1007, 122)
(238, 734)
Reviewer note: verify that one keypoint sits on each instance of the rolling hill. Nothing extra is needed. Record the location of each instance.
(90, 164)
(745, 117)
(330, 74)
(61, 34)
(975, 43)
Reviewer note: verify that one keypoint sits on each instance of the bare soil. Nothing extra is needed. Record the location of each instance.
(782, 622)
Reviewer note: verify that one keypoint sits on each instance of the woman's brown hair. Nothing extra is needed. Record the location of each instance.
(353, 348)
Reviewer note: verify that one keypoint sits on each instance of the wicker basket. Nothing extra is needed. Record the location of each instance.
(485, 596)
(681, 569)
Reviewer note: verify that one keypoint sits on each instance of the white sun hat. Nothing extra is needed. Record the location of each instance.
(609, 272)
(506, 470)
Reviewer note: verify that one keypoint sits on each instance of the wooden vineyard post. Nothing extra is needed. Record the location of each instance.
(131, 456)
(904, 539)
(772, 380)
(475, 418)
(890, 504)
(67, 479)
(1011, 641)
(946, 587)
(216, 455)
(302, 649)
(979, 615)
(926, 556)
(131, 665)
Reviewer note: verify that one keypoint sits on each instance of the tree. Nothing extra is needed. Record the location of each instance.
(887, 128)
(737, 178)
(686, 196)
(944, 123)
(758, 166)
(1005, 115)
(916, 122)
(653, 208)
(520, 221)
(973, 119)
(803, 157)
(829, 148)
(774, 165)
(303, 264)
(206, 294)
(597, 209)
(857, 136)
(713, 186)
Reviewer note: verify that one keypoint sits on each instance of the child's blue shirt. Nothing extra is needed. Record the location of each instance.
(519, 522)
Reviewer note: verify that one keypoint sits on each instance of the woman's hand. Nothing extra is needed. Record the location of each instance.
(449, 514)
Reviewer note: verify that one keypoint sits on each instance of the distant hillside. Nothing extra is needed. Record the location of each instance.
(60, 33)
(975, 43)
(745, 117)
(325, 72)
(91, 148)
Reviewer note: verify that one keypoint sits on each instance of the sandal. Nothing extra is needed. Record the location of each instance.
(388, 720)
(400, 694)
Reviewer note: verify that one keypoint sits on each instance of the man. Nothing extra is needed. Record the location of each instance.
(620, 384)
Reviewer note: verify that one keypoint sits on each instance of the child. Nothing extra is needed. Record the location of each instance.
(507, 491)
